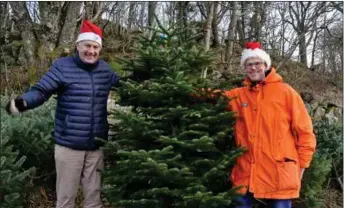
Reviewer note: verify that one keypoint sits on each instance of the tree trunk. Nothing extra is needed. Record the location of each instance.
(341, 60)
(283, 32)
(208, 34)
(5, 26)
(93, 10)
(50, 14)
(142, 15)
(208, 26)
(214, 28)
(132, 15)
(289, 54)
(151, 12)
(257, 20)
(241, 23)
(332, 60)
(262, 18)
(171, 13)
(98, 9)
(240, 31)
(69, 28)
(182, 17)
(231, 34)
(324, 47)
(254, 22)
(314, 47)
(118, 20)
(88, 9)
(21, 18)
(303, 48)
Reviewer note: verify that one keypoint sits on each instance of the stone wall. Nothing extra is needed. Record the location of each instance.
(321, 109)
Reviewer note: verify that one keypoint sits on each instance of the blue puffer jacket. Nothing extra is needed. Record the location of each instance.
(82, 92)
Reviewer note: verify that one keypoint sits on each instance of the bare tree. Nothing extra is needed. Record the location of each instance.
(214, 24)
(5, 26)
(282, 10)
(303, 18)
(151, 13)
(93, 10)
(29, 36)
(231, 34)
(182, 16)
(242, 22)
(257, 20)
(218, 14)
(171, 13)
(338, 6)
(314, 46)
(131, 18)
(142, 15)
(69, 28)
(208, 25)
(331, 45)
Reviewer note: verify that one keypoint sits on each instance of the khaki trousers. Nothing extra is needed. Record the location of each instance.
(74, 167)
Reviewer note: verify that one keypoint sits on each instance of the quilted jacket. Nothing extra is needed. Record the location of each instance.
(82, 92)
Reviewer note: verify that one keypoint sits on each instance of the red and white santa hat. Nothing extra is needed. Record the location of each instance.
(90, 31)
(254, 50)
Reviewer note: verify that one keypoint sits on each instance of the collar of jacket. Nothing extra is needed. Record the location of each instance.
(82, 64)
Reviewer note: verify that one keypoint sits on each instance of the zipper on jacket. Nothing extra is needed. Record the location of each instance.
(92, 106)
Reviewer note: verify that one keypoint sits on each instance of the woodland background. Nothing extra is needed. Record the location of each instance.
(304, 39)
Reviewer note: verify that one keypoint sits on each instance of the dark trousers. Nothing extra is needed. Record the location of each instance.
(247, 201)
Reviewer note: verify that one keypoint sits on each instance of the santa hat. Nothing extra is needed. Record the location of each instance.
(90, 31)
(254, 50)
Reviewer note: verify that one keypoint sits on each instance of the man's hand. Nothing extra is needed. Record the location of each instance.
(16, 106)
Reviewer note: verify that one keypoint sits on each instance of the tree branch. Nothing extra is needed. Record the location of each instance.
(99, 12)
(337, 6)
(339, 180)
(201, 9)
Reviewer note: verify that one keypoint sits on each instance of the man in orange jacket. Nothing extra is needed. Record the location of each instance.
(273, 124)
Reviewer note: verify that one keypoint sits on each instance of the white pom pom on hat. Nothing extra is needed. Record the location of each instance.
(90, 31)
(254, 50)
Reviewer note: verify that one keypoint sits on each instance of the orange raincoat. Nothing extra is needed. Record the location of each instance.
(274, 126)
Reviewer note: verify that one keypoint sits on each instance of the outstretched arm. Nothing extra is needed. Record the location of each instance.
(39, 93)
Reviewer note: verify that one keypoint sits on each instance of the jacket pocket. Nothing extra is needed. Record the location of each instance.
(288, 174)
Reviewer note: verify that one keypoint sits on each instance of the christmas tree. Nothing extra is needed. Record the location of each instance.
(175, 146)
(14, 180)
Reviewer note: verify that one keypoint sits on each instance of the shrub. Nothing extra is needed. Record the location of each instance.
(30, 135)
(15, 180)
(326, 164)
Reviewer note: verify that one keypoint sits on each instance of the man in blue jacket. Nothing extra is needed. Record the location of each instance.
(82, 83)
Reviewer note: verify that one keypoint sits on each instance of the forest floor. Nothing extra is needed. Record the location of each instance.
(45, 198)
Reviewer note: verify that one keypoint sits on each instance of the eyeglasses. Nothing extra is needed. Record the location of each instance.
(256, 64)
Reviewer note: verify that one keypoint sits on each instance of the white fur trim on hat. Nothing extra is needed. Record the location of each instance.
(255, 53)
(89, 36)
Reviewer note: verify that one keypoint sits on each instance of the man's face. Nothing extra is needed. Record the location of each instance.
(255, 69)
(88, 51)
